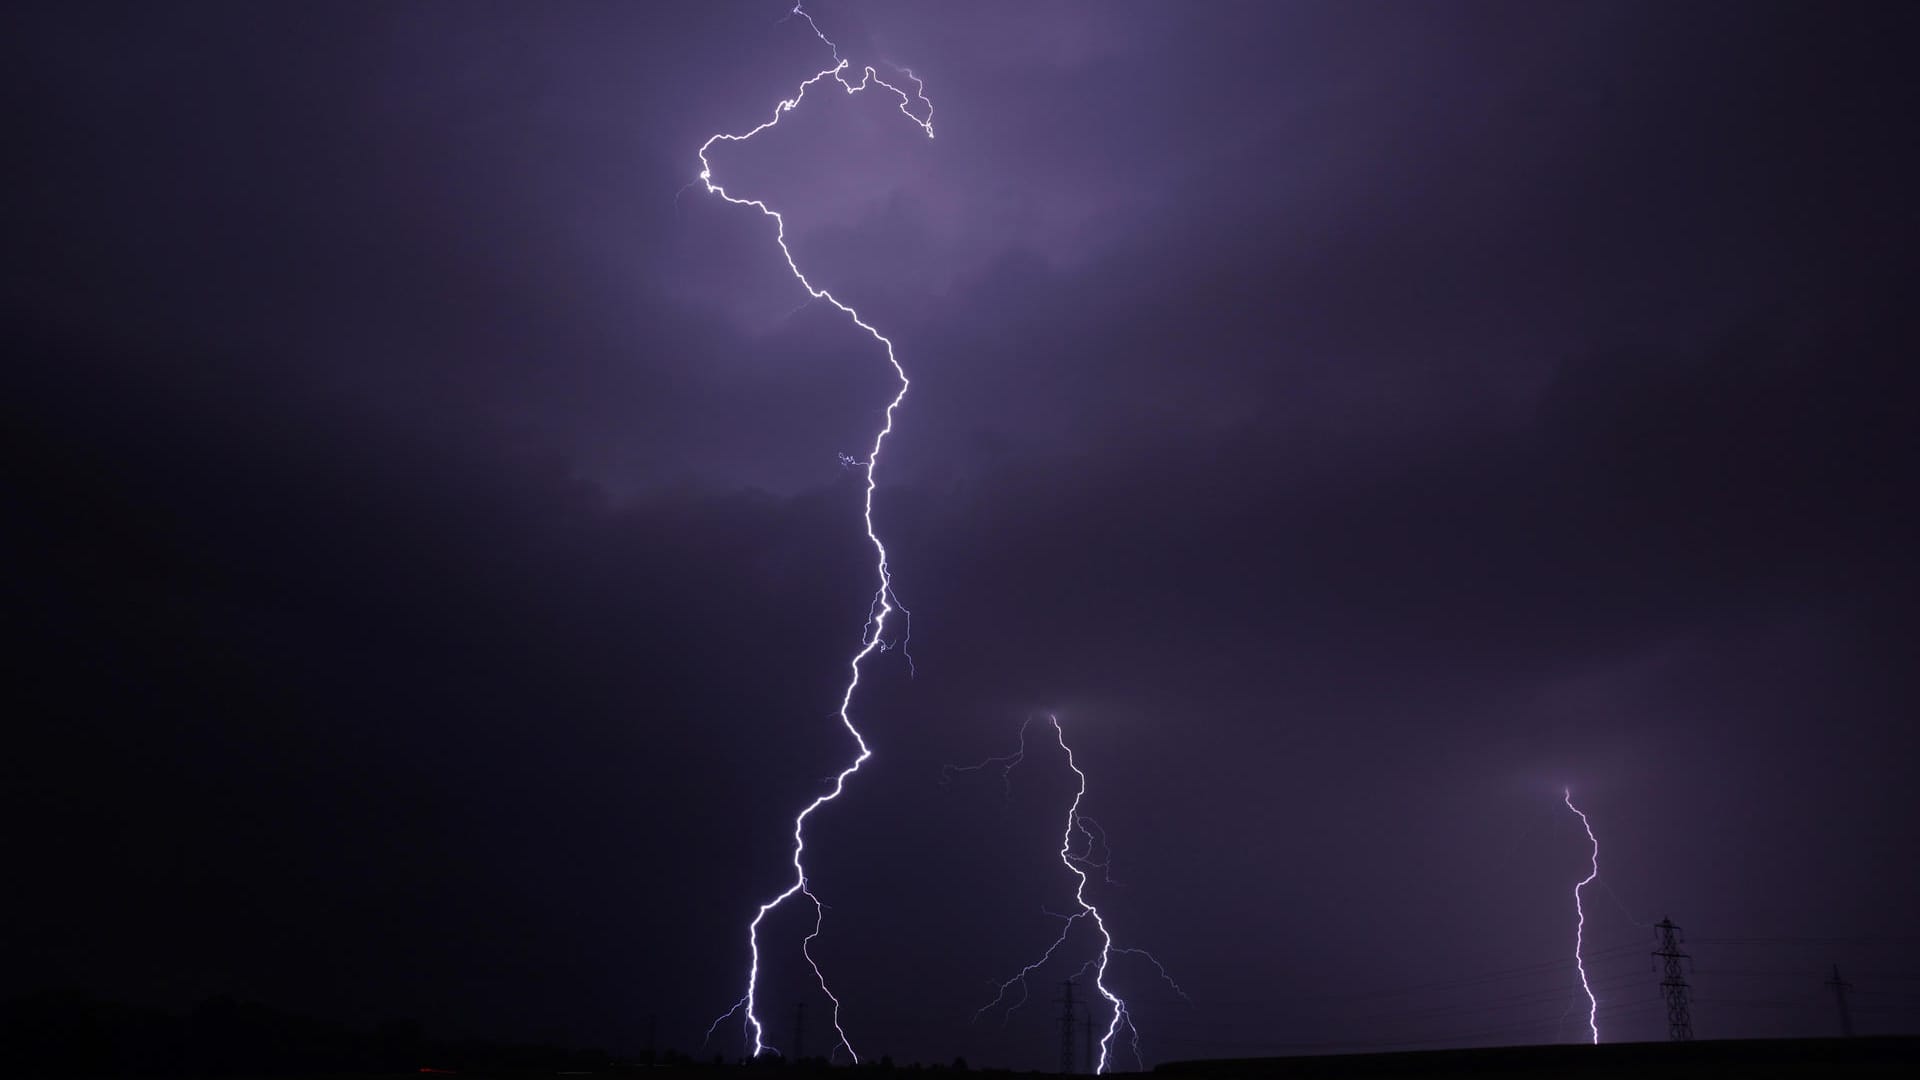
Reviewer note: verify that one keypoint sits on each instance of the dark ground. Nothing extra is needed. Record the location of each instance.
(74, 1035)
(1880, 1056)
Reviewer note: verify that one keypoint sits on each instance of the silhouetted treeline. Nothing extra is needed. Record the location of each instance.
(66, 1033)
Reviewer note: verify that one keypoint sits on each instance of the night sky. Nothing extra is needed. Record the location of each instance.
(430, 576)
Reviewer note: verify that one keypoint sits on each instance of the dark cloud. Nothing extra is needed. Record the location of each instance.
(433, 578)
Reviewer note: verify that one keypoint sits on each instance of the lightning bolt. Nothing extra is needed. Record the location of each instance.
(885, 602)
(1580, 928)
(1005, 761)
(1076, 859)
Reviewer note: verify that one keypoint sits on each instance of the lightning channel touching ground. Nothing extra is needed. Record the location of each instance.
(884, 603)
(1580, 928)
(1076, 859)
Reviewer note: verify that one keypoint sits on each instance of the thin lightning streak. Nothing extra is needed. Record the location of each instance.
(1580, 928)
(1096, 835)
(884, 601)
(920, 93)
(1624, 909)
(1005, 761)
(1158, 966)
(1020, 979)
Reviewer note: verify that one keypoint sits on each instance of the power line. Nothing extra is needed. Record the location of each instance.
(1756, 940)
(1551, 993)
(1504, 1029)
(1539, 1023)
(1475, 979)
(1483, 979)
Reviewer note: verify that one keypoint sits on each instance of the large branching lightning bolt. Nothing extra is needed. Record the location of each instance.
(1078, 844)
(884, 603)
(1580, 927)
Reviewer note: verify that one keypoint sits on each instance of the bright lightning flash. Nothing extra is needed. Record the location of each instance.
(1077, 846)
(884, 603)
(1580, 928)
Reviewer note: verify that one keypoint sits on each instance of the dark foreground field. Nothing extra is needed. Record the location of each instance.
(1763, 1058)
(1875, 1056)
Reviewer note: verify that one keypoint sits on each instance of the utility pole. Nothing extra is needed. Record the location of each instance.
(799, 1030)
(1674, 983)
(1840, 987)
(653, 1045)
(1066, 1027)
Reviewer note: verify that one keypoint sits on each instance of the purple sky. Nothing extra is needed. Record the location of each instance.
(431, 575)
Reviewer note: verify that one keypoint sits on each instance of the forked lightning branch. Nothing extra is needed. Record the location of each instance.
(885, 603)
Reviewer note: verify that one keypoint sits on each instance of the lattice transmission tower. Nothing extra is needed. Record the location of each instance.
(1674, 982)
